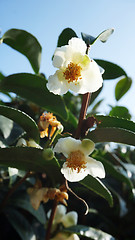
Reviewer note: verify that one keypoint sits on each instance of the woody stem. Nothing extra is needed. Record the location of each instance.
(85, 103)
(48, 231)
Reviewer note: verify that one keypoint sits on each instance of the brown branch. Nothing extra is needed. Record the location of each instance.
(48, 232)
(85, 103)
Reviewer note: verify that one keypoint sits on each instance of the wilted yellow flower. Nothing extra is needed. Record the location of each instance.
(48, 120)
(40, 194)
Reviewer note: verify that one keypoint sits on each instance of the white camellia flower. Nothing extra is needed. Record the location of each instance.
(78, 164)
(76, 71)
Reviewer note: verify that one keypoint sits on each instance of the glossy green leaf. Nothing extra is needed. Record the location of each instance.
(28, 158)
(120, 111)
(109, 121)
(21, 118)
(20, 224)
(65, 36)
(122, 87)
(103, 37)
(111, 134)
(89, 232)
(33, 88)
(110, 169)
(21, 200)
(98, 187)
(112, 70)
(25, 43)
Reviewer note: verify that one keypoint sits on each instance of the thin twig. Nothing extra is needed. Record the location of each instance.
(81, 199)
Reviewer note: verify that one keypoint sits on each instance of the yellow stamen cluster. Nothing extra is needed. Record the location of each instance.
(76, 160)
(72, 72)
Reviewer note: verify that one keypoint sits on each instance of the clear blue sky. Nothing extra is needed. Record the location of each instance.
(45, 19)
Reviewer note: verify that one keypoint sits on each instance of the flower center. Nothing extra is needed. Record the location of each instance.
(72, 72)
(76, 160)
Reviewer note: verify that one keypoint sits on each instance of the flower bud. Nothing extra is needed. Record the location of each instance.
(88, 144)
(48, 154)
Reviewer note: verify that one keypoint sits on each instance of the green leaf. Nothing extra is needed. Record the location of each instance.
(89, 232)
(112, 70)
(110, 121)
(110, 169)
(120, 111)
(122, 87)
(21, 200)
(28, 158)
(20, 224)
(111, 134)
(65, 36)
(98, 187)
(25, 43)
(33, 88)
(103, 37)
(1, 76)
(21, 118)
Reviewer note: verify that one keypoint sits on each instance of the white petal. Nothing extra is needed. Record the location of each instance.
(73, 237)
(76, 87)
(78, 45)
(73, 175)
(56, 86)
(60, 212)
(87, 146)
(95, 168)
(12, 171)
(91, 79)
(32, 143)
(67, 145)
(59, 56)
(21, 143)
(70, 219)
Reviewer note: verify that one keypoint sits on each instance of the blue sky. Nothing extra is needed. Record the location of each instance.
(45, 19)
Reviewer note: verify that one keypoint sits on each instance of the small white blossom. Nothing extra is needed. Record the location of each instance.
(76, 71)
(78, 164)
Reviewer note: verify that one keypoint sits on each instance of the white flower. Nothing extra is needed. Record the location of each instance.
(78, 164)
(75, 70)
(67, 220)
